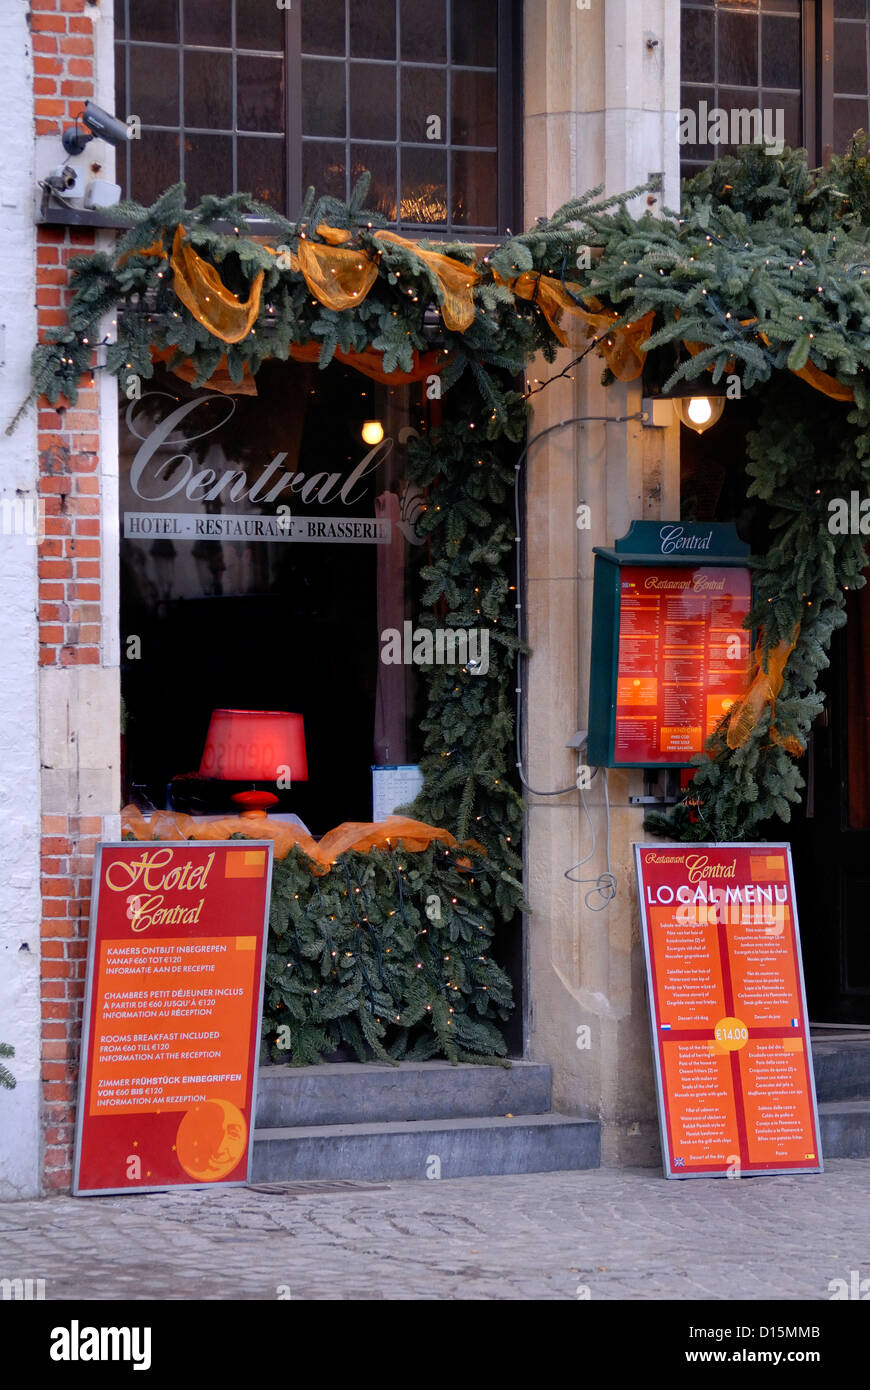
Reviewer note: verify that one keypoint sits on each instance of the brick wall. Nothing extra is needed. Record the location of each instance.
(68, 844)
(69, 578)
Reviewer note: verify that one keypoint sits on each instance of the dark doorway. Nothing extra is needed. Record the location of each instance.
(830, 830)
(831, 835)
(233, 612)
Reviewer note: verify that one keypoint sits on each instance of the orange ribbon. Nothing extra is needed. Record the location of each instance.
(200, 288)
(340, 278)
(571, 322)
(412, 835)
(220, 379)
(371, 363)
(763, 689)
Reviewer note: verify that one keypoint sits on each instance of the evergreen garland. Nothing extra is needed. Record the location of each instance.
(504, 335)
(389, 954)
(470, 583)
(767, 268)
(805, 451)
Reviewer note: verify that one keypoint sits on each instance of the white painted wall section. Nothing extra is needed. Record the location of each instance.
(19, 716)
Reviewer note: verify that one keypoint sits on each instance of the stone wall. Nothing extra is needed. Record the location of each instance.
(601, 108)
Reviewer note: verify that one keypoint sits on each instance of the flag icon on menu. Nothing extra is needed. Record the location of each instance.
(768, 866)
(795, 1023)
(679, 1163)
(665, 1027)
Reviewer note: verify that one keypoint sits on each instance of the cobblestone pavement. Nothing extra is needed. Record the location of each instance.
(620, 1233)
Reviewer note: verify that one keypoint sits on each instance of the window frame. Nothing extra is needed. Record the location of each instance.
(508, 147)
(817, 79)
(805, 90)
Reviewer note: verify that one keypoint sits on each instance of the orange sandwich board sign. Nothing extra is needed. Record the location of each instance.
(170, 1042)
(733, 1063)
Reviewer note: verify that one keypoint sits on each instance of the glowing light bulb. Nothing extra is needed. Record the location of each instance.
(699, 410)
(372, 431)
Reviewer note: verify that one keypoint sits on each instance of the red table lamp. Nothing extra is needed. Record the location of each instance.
(255, 745)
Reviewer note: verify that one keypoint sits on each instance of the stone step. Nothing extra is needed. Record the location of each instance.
(484, 1146)
(347, 1093)
(842, 1067)
(845, 1127)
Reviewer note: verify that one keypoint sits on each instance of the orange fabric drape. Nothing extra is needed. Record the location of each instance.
(340, 277)
(811, 374)
(336, 276)
(455, 280)
(824, 382)
(174, 825)
(336, 236)
(763, 689)
(621, 348)
(157, 248)
(396, 831)
(571, 323)
(371, 363)
(364, 835)
(220, 379)
(200, 288)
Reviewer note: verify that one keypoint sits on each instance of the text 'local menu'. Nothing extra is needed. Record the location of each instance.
(730, 1036)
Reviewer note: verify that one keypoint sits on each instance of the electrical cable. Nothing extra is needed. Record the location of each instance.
(562, 424)
(605, 883)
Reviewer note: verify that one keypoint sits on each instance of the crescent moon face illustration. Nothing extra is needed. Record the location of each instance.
(211, 1139)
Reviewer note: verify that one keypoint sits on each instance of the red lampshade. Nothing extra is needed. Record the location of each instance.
(255, 745)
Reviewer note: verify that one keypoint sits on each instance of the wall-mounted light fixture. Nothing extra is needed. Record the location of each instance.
(697, 410)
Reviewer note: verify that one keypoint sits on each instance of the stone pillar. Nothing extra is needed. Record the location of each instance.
(601, 99)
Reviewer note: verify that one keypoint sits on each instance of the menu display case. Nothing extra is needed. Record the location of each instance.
(670, 654)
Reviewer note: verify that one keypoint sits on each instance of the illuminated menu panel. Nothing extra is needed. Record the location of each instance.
(683, 658)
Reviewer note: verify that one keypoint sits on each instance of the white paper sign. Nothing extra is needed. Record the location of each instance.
(394, 786)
